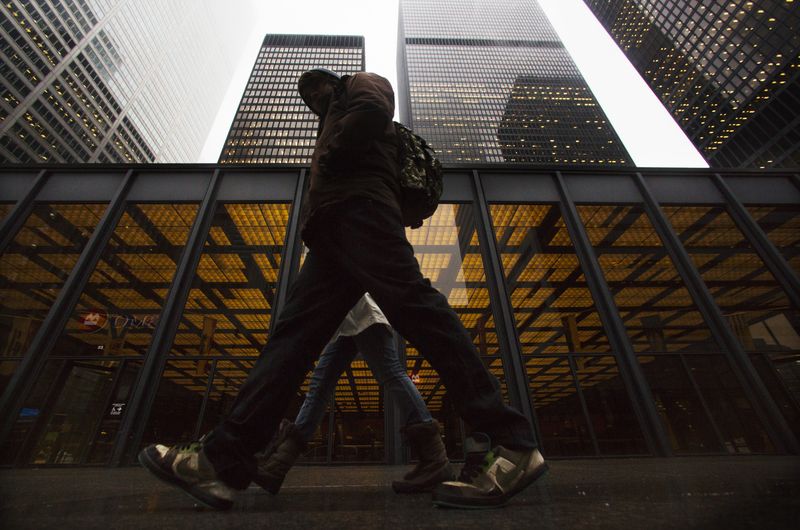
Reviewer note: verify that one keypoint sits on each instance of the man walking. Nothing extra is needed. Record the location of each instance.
(352, 224)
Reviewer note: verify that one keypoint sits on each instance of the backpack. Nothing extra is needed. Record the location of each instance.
(420, 177)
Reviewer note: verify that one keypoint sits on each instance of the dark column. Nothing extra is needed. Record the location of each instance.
(629, 368)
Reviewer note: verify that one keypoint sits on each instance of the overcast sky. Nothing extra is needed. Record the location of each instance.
(649, 133)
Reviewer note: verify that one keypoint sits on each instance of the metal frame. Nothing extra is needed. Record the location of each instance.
(763, 246)
(17, 217)
(500, 300)
(146, 386)
(134, 422)
(753, 387)
(39, 349)
(629, 369)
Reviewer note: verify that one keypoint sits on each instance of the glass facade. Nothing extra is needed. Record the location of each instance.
(272, 124)
(492, 83)
(565, 281)
(113, 80)
(729, 72)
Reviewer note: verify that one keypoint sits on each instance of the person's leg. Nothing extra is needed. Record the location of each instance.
(377, 346)
(423, 434)
(319, 299)
(372, 245)
(334, 360)
(292, 438)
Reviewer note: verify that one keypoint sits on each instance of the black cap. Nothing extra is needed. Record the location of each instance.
(310, 79)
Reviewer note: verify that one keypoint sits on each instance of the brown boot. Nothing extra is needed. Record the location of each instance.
(280, 456)
(433, 467)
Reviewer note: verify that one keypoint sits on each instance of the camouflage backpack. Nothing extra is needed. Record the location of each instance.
(420, 177)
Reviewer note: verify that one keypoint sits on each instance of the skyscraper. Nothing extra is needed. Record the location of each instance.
(114, 80)
(728, 72)
(490, 82)
(272, 124)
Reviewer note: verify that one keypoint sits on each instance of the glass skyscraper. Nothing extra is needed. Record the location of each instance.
(114, 80)
(729, 72)
(272, 124)
(491, 82)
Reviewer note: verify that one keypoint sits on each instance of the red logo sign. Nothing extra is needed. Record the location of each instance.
(92, 321)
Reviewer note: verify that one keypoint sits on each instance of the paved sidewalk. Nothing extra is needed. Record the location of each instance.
(631, 494)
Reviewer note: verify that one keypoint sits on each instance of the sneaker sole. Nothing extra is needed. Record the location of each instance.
(486, 503)
(165, 476)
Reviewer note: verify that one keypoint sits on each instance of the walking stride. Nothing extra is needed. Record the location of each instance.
(354, 226)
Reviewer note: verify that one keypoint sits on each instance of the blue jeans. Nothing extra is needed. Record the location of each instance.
(376, 344)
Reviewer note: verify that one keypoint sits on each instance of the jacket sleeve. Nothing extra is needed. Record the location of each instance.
(370, 108)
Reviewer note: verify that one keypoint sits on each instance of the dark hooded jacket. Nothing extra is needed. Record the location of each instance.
(356, 151)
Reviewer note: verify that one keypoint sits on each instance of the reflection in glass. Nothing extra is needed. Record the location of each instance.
(71, 416)
(686, 421)
(553, 308)
(753, 303)
(225, 319)
(559, 411)
(657, 310)
(610, 412)
(781, 376)
(555, 314)
(781, 224)
(738, 423)
(35, 266)
(227, 377)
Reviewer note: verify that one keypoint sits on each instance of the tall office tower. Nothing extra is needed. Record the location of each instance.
(489, 82)
(272, 124)
(729, 72)
(114, 80)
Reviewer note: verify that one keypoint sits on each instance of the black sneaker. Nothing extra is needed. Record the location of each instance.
(490, 478)
(187, 467)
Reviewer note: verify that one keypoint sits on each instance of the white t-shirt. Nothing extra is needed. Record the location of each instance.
(364, 314)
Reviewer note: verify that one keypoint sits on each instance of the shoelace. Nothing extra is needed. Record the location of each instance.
(189, 447)
(473, 466)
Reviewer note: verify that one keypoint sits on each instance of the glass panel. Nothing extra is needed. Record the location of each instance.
(657, 310)
(358, 434)
(610, 413)
(228, 377)
(5, 209)
(751, 300)
(738, 423)
(681, 409)
(227, 313)
(120, 305)
(106, 433)
(781, 376)
(33, 412)
(562, 422)
(449, 254)
(781, 224)
(754, 304)
(71, 421)
(178, 403)
(35, 266)
(553, 308)
(555, 313)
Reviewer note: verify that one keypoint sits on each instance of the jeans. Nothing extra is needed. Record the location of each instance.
(358, 246)
(376, 344)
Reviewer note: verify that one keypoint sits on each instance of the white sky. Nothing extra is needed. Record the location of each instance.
(649, 133)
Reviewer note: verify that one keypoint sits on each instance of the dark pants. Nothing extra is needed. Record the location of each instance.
(357, 246)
